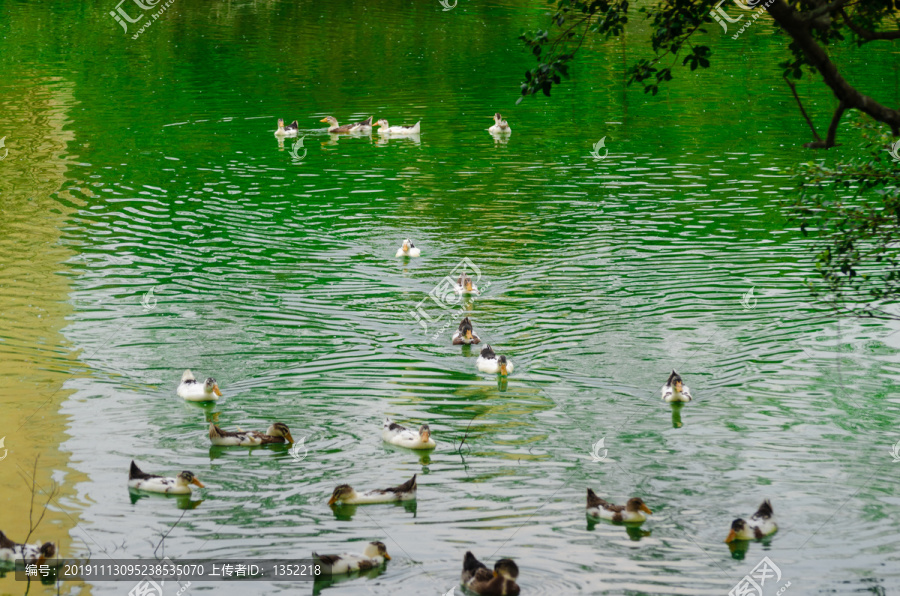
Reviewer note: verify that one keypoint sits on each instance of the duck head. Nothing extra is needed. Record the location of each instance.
(211, 386)
(501, 360)
(382, 123)
(675, 382)
(280, 429)
(376, 549)
(636, 504)
(424, 433)
(331, 120)
(341, 493)
(506, 568)
(465, 328)
(737, 526)
(408, 244)
(185, 478)
(281, 124)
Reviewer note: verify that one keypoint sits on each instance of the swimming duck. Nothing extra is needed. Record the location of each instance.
(335, 128)
(675, 390)
(632, 511)
(193, 390)
(32, 554)
(464, 285)
(287, 131)
(345, 495)
(397, 130)
(762, 523)
(180, 485)
(401, 436)
(500, 125)
(478, 578)
(408, 249)
(465, 334)
(276, 434)
(492, 364)
(374, 556)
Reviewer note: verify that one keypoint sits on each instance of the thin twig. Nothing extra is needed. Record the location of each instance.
(167, 534)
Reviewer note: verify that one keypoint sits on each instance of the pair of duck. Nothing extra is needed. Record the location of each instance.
(488, 361)
(365, 127)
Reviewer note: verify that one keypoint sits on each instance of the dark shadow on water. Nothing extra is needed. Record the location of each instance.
(633, 529)
(676, 414)
(181, 501)
(321, 584)
(346, 512)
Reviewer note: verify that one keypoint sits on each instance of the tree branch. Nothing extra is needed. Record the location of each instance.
(865, 34)
(812, 126)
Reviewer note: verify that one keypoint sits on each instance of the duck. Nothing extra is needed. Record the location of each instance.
(401, 436)
(464, 285)
(490, 363)
(761, 524)
(481, 580)
(465, 334)
(397, 130)
(408, 249)
(32, 554)
(180, 485)
(345, 495)
(287, 131)
(276, 434)
(500, 125)
(193, 390)
(373, 556)
(632, 511)
(359, 127)
(674, 390)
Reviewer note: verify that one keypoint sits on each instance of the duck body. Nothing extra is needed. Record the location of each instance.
(675, 390)
(761, 524)
(408, 249)
(632, 511)
(387, 129)
(345, 495)
(180, 485)
(465, 334)
(357, 127)
(488, 362)
(276, 434)
(32, 554)
(500, 127)
(401, 436)
(373, 556)
(290, 130)
(481, 580)
(191, 389)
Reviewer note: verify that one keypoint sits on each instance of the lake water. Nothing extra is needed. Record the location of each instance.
(150, 164)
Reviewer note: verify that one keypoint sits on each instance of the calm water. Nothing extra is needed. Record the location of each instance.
(150, 164)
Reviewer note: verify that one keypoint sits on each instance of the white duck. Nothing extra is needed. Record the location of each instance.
(290, 130)
(464, 285)
(500, 125)
(761, 524)
(397, 130)
(675, 390)
(345, 495)
(632, 511)
(490, 363)
(374, 556)
(33, 554)
(180, 485)
(193, 390)
(401, 436)
(408, 249)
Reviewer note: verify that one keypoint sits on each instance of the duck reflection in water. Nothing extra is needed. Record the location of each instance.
(676, 415)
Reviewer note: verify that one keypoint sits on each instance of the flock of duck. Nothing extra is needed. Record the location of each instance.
(364, 127)
(475, 575)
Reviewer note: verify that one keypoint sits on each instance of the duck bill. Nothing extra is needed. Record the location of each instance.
(324, 120)
(426, 436)
(332, 500)
(468, 334)
(216, 390)
(731, 536)
(645, 509)
(289, 438)
(198, 483)
(468, 286)
(387, 557)
(503, 371)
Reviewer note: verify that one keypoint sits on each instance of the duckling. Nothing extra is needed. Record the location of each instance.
(479, 579)
(674, 390)
(490, 363)
(287, 131)
(357, 127)
(180, 485)
(464, 285)
(401, 436)
(632, 511)
(761, 524)
(276, 434)
(408, 249)
(192, 390)
(373, 556)
(500, 125)
(397, 130)
(32, 554)
(345, 495)
(465, 334)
